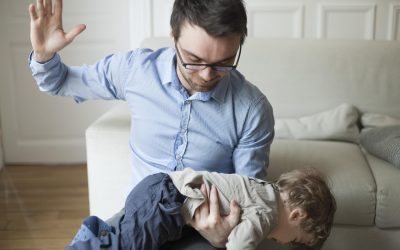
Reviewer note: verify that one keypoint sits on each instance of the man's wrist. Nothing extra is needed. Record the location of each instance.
(42, 57)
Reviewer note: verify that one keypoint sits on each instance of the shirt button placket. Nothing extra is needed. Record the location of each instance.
(186, 109)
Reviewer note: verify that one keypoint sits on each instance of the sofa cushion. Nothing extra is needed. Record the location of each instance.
(388, 192)
(349, 175)
(378, 120)
(304, 76)
(339, 123)
(383, 142)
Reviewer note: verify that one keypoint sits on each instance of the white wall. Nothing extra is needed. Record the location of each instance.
(320, 19)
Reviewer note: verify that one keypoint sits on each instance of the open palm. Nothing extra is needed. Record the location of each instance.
(47, 33)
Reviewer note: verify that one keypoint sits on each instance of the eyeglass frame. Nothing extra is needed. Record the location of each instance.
(213, 66)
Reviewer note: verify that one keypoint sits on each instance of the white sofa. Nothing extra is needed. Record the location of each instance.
(301, 78)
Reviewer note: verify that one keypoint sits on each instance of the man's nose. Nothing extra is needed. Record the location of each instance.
(207, 73)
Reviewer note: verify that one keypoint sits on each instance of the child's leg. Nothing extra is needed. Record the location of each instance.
(152, 214)
(92, 227)
(95, 234)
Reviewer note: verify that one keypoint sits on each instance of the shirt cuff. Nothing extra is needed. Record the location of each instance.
(43, 65)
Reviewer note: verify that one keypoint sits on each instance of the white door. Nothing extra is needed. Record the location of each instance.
(38, 128)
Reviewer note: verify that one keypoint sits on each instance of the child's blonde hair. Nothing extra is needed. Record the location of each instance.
(306, 189)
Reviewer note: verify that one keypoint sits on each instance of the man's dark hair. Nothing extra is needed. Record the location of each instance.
(217, 17)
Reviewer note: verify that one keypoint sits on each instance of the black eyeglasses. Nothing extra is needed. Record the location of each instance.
(214, 66)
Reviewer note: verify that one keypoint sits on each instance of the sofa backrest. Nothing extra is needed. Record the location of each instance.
(302, 77)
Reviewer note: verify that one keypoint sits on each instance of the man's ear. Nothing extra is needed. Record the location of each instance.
(172, 36)
(297, 214)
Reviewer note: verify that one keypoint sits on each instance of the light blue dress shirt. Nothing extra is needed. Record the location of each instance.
(228, 129)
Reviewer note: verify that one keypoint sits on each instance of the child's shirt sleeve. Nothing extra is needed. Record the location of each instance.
(248, 233)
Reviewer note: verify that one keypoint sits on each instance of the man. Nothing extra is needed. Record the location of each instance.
(189, 105)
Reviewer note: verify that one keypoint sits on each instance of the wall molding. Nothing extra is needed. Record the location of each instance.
(296, 11)
(394, 17)
(325, 8)
(140, 21)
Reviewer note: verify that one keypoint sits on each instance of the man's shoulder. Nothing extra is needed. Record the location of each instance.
(244, 92)
(147, 55)
(241, 87)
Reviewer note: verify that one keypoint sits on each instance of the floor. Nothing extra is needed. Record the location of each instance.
(41, 207)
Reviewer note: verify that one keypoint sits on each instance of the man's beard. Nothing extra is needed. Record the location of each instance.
(197, 87)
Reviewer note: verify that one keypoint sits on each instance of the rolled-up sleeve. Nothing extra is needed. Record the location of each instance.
(101, 80)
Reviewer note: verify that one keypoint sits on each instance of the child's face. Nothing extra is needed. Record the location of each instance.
(288, 228)
(289, 234)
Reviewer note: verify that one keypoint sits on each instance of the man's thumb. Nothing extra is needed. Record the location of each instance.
(75, 32)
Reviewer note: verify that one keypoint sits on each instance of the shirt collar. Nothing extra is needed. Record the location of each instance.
(168, 69)
(218, 93)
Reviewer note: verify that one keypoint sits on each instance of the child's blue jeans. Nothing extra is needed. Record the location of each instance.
(152, 217)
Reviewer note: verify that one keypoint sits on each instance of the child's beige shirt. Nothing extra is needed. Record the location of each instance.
(256, 198)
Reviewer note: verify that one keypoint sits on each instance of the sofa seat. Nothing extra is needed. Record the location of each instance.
(345, 167)
(387, 179)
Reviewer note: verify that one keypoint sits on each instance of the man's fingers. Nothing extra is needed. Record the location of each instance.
(214, 203)
(75, 32)
(204, 208)
(234, 216)
(40, 7)
(205, 191)
(202, 212)
(58, 8)
(48, 7)
(32, 12)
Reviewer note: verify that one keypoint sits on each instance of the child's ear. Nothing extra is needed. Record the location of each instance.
(297, 214)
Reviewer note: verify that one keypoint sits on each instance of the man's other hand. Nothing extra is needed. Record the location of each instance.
(210, 223)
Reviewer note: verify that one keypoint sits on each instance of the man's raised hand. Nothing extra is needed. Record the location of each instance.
(47, 33)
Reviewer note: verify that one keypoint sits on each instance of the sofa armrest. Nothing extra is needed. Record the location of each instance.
(108, 161)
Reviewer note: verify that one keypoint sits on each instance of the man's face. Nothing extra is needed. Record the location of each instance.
(196, 46)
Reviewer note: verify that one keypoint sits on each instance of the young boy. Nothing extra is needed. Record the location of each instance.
(298, 209)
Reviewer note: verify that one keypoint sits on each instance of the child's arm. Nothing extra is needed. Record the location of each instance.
(247, 234)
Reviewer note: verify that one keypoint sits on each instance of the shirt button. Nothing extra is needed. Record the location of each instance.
(103, 233)
(178, 157)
